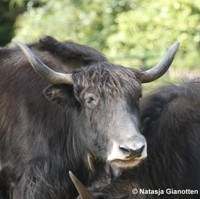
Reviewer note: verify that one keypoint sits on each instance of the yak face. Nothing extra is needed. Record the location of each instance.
(101, 104)
(105, 101)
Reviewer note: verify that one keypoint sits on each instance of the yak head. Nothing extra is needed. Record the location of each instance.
(105, 121)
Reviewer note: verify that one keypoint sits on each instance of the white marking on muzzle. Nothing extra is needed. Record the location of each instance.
(127, 155)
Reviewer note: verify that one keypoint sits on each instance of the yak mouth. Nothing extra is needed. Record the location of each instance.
(126, 163)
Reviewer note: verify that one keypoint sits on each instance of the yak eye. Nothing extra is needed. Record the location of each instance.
(91, 100)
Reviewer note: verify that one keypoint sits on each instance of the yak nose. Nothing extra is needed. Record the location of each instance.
(133, 149)
(130, 152)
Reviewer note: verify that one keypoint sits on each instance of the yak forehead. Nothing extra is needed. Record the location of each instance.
(108, 79)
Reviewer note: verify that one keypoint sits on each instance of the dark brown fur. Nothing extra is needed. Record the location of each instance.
(41, 141)
(171, 124)
(33, 140)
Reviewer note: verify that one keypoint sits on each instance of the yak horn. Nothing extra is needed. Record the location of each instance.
(42, 69)
(158, 70)
(90, 160)
(83, 192)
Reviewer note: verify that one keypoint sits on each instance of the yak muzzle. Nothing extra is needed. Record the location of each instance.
(129, 153)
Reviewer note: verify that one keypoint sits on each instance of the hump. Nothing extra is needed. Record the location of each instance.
(61, 56)
(172, 107)
(70, 50)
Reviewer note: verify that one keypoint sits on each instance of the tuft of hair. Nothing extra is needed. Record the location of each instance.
(109, 79)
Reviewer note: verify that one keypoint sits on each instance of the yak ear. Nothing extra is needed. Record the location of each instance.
(60, 94)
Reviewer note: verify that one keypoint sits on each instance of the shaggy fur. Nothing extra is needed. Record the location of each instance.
(171, 124)
(36, 152)
(41, 141)
(109, 79)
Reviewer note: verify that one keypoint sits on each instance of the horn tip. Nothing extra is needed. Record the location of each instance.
(83, 192)
(16, 42)
(172, 51)
(71, 174)
(177, 43)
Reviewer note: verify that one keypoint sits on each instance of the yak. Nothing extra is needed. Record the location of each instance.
(170, 119)
(81, 113)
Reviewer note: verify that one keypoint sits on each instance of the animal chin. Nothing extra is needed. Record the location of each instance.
(126, 163)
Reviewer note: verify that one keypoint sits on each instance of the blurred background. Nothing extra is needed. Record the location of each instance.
(134, 33)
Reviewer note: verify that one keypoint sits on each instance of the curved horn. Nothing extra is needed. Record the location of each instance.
(158, 70)
(83, 192)
(42, 69)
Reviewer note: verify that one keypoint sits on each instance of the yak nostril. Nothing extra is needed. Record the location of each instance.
(125, 150)
(128, 152)
(138, 152)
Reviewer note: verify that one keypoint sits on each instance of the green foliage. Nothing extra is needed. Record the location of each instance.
(130, 32)
(146, 32)
(6, 22)
(86, 21)
(9, 10)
